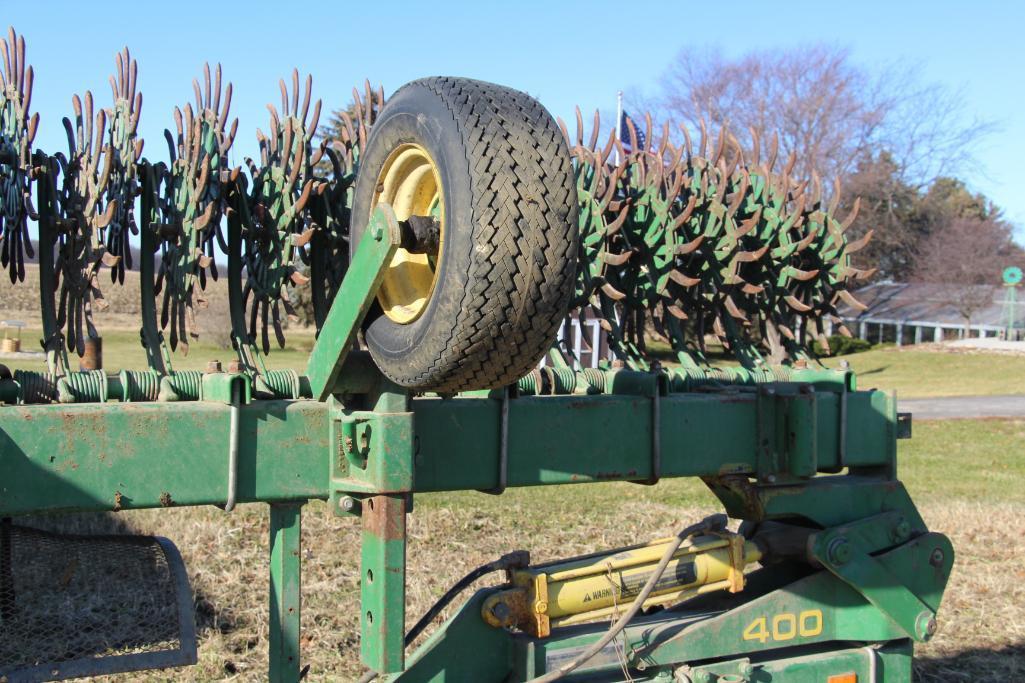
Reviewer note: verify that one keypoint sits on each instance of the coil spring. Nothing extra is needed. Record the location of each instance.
(140, 386)
(284, 383)
(187, 384)
(35, 387)
(596, 378)
(83, 387)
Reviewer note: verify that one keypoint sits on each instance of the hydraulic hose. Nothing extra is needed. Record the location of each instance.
(513, 560)
(712, 523)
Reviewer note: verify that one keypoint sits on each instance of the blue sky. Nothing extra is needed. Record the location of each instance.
(564, 53)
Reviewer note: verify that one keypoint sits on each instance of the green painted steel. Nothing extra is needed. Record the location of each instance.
(285, 592)
(338, 334)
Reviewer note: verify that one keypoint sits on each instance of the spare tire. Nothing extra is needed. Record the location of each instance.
(488, 165)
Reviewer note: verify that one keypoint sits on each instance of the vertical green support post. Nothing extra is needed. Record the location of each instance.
(285, 591)
(383, 583)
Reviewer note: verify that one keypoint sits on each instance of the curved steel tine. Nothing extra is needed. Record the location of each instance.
(853, 214)
(295, 92)
(197, 93)
(664, 143)
(834, 201)
(215, 106)
(315, 121)
(26, 94)
(19, 72)
(357, 105)
(284, 97)
(565, 131)
(595, 130)
(114, 90)
(307, 96)
(580, 126)
(207, 98)
(5, 52)
(703, 149)
(227, 103)
(773, 152)
(369, 102)
(756, 147)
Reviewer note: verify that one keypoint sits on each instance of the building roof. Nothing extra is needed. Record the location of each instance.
(927, 303)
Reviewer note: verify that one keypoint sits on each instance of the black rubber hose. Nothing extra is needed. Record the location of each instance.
(514, 560)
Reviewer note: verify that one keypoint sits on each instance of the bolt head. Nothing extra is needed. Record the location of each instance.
(500, 611)
(213, 367)
(235, 367)
(540, 606)
(937, 557)
(901, 531)
(377, 233)
(925, 625)
(839, 551)
(347, 503)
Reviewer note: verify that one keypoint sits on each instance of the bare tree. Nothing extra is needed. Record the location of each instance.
(828, 111)
(970, 254)
(884, 134)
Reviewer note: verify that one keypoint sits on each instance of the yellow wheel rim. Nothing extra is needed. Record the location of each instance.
(410, 183)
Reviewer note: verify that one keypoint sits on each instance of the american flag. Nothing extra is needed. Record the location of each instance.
(624, 133)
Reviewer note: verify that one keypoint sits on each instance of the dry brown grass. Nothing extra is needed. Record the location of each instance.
(981, 637)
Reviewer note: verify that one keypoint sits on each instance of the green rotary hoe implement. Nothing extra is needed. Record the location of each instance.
(443, 238)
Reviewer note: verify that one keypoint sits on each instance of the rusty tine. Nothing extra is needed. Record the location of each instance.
(703, 149)
(686, 141)
(849, 299)
(739, 194)
(580, 126)
(834, 201)
(315, 121)
(720, 146)
(595, 127)
(370, 101)
(198, 94)
(295, 91)
(756, 147)
(683, 280)
(19, 72)
(664, 142)
(216, 104)
(859, 244)
(227, 102)
(773, 151)
(357, 105)
(307, 95)
(791, 162)
(854, 214)
(616, 259)
(27, 94)
(284, 97)
(6, 53)
(565, 131)
(610, 145)
(113, 88)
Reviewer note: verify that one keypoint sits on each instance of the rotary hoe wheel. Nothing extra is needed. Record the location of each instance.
(482, 175)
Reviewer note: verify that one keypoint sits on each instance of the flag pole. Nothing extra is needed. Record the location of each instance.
(619, 121)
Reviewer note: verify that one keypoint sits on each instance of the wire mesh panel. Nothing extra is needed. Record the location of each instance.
(76, 605)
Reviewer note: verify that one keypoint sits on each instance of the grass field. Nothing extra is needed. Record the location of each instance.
(911, 373)
(965, 475)
(928, 373)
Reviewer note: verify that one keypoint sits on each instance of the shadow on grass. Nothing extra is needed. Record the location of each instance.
(977, 665)
(209, 617)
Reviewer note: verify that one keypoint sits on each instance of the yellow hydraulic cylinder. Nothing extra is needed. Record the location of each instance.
(601, 585)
